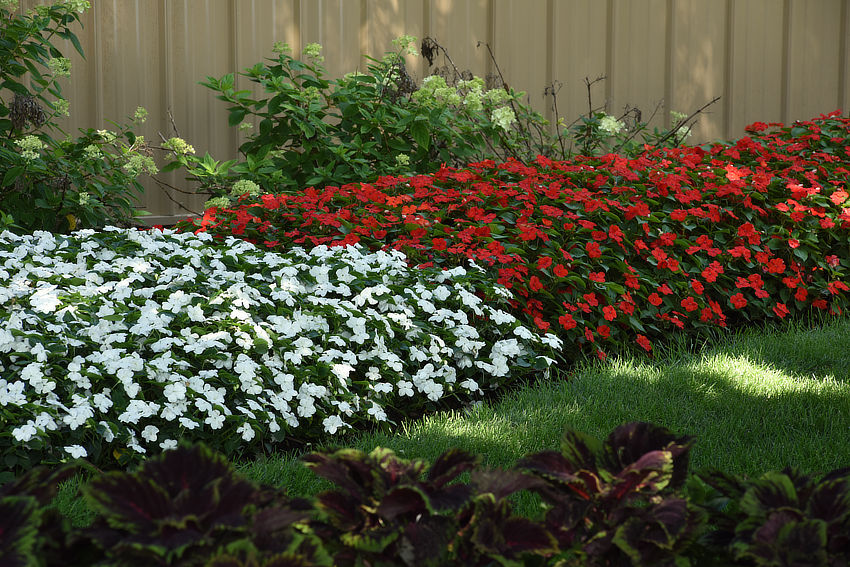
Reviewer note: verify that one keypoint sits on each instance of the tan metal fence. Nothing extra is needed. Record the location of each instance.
(769, 60)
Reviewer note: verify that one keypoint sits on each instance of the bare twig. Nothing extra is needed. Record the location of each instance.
(684, 121)
(162, 186)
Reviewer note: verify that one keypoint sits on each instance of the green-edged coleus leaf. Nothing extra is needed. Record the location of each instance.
(628, 443)
(653, 535)
(760, 518)
(787, 539)
(385, 507)
(39, 484)
(489, 533)
(19, 520)
(183, 498)
(580, 450)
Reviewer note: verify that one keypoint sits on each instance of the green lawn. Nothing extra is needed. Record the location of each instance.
(757, 400)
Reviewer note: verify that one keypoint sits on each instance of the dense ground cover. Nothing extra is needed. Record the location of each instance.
(608, 251)
(153, 337)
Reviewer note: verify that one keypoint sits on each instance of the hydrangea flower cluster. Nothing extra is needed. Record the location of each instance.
(126, 339)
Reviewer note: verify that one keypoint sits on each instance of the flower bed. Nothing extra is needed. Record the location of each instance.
(608, 251)
(121, 342)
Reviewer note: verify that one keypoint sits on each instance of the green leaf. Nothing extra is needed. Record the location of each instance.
(419, 131)
(236, 116)
(12, 174)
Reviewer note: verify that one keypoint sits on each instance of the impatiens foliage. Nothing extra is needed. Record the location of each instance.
(608, 251)
(121, 342)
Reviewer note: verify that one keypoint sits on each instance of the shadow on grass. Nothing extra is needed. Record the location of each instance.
(757, 403)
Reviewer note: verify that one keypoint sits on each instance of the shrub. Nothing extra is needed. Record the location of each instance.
(317, 132)
(48, 183)
(610, 251)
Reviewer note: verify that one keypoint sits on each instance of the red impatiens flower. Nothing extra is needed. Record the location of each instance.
(541, 324)
(544, 262)
(534, 283)
(561, 271)
(609, 313)
(665, 289)
(781, 310)
(598, 277)
(655, 299)
(604, 331)
(689, 304)
(439, 243)
(593, 249)
(776, 266)
(627, 307)
(697, 286)
(801, 294)
(644, 342)
(567, 322)
(588, 334)
(590, 298)
(738, 300)
(834, 287)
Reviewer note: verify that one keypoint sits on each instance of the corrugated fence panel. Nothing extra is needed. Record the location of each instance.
(814, 60)
(580, 51)
(459, 27)
(771, 60)
(638, 71)
(755, 86)
(697, 59)
(521, 43)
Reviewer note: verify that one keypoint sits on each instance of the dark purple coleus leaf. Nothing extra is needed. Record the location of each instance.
(183, 499)
(768, 518)
(19, 524)
(786, 539)
(489, 533)
(630, 442)
(38, 485)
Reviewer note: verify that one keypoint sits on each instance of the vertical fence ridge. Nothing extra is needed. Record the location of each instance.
(843, 71)
(611, 40)
(669, 44)
(728, 67)
(785, 92)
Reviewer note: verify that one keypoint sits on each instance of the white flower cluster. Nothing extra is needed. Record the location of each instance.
(141, 338)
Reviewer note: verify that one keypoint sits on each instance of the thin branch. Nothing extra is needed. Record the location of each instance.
(682, 122)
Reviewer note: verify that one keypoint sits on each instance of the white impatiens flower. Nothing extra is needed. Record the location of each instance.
(246, 431)
(45, 299)
(215, 419)
(149, 433)
(76, 451)
(25, 432)
(405, 388)
(168, 444)
(333, 423)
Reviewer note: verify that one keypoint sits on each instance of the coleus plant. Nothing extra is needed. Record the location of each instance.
(615, 502)
(186, 504)
(781, 518)
(607, 251)
(27, 526)
(386, 511)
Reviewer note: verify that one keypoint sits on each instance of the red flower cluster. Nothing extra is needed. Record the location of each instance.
(607, 248)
